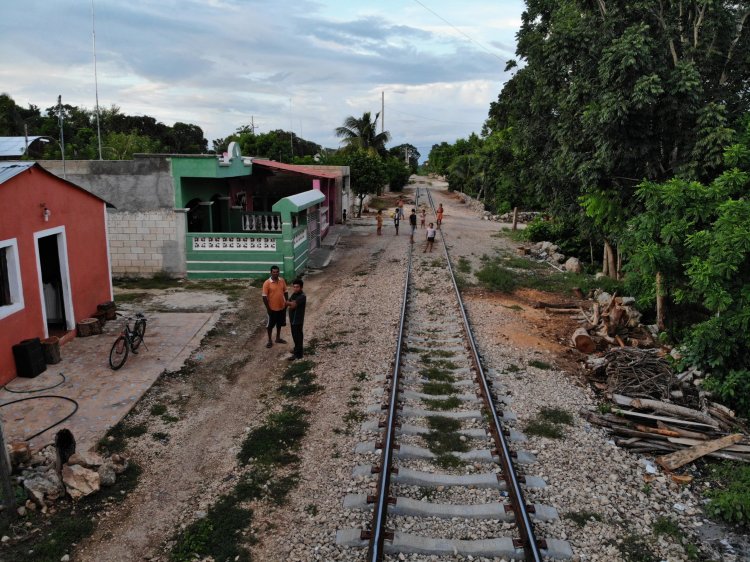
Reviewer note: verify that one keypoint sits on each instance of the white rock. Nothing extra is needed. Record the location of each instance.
(80, 481)
(573, 265)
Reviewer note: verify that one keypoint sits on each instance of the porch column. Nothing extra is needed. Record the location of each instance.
(287, 247)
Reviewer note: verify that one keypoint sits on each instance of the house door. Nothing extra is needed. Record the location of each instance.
(55, 285)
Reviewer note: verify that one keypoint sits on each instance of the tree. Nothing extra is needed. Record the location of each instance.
(362, 133)
(407, 153)
(367, 172)
(397, 173)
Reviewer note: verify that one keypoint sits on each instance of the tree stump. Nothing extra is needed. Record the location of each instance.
(101, 316)
(109, 308)
(89, 327)
(51, 350)
(583, 341)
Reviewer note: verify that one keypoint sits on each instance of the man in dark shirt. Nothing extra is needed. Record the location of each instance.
(296, 306)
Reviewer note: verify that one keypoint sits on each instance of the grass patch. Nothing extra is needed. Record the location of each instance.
(497, 278)
(170, 419)
(438, 388)
(441, 423)
(464, 265)
(729, 495)
(160, 436)
(635, 549)
(115, 440)
(273, 443)
(667, 526)
(543, 428)
(556, 415)
(299, 380)
(448, 461)
(437, 375)
(158, 281)
(311, 347)
(512, 368)
(441, 443)
(430, 354)
(580, 518)
(540, 365)
(278, 489)
(122, 298)
(361, 376)
(447, 404)
(216, 534)
(158, 410)
(440, 363)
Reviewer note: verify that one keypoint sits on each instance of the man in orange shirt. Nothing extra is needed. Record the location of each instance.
(275, 295)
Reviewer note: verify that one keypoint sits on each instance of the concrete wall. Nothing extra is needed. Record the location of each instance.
(146, 234)
(142, 184)
(142, 244)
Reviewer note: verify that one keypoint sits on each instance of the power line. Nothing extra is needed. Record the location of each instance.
(477, 43)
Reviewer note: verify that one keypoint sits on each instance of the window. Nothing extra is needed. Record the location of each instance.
(11, 294)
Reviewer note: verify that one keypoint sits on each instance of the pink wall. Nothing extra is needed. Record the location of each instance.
(21, 215)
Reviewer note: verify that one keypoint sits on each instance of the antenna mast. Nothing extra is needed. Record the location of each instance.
(96, 82)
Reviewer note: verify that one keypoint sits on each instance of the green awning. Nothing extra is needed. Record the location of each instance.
(299, 202)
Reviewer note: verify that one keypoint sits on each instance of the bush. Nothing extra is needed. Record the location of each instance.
(730, 497)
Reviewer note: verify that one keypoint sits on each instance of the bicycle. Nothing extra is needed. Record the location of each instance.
(128, 340)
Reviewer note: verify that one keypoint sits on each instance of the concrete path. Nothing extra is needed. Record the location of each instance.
(103, 396)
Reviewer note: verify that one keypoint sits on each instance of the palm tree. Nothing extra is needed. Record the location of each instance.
(362, 133)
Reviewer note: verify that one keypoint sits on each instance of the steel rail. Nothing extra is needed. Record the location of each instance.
(378, 531)
(515, 494)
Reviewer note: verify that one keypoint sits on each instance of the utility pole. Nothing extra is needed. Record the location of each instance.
(382, 112)
(96, 81)
(252, 123)
(406, 155)
(60, 118)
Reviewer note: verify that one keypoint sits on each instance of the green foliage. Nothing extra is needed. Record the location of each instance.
(275, 441)
(497, 278)
(216, 535)
(544, 429)
(540, 364)
(362, 134)
(556, 415)
(407, 152)
(447, 404)
(729, 495)
(667, 526)
(368, 174)
(397, 173)
(581, 518)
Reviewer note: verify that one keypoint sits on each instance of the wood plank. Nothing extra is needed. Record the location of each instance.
(632, 414)
(680, 458)
(738, 448)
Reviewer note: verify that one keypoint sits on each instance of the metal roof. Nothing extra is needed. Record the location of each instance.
(292, 169)
(10, 169)
(299, 201)
(15, 146)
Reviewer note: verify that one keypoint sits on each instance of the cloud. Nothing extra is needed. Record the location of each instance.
(219, 63)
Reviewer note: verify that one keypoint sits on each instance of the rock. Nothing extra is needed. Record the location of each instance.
(19, 453)
(87, 459)
(41, 484)
(545, 247)
(119, 463)
(573, 265)
(80, 481)
(5, 538)
(557, 257)
(599, 275)
(604, 297)
(107, 474)
(21, 510)
(65, 558)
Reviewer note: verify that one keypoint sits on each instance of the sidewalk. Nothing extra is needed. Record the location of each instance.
(83, 377)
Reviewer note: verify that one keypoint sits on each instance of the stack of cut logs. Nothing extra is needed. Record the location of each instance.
(654, 411)
(612, 321)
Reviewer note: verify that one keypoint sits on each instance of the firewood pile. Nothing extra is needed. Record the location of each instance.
(611, 321)
(655, 411)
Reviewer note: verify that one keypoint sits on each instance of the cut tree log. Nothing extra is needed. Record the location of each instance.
(665, 408)
(631, 413)
(582, 341)
(681, 458)
(542, 304)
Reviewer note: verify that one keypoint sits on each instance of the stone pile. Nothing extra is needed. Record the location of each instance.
(477, 206)
(45, 482)
(549, 252)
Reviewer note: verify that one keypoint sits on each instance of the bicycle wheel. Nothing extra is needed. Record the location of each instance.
(119, 353)
(139, 330)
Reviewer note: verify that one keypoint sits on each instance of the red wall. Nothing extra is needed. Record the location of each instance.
(21, 215)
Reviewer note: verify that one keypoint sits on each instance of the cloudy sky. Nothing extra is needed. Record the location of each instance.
(304, 65)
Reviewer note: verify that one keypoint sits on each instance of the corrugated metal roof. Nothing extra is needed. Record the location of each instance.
(9, 169)
(299, 201)
(15, 146)
(291, 168)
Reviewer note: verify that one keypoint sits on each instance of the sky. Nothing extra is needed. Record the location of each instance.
(301, 65)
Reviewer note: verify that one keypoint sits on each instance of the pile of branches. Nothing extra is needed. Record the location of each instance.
(655, 411)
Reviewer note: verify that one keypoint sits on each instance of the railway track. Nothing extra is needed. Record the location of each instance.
(441, 472)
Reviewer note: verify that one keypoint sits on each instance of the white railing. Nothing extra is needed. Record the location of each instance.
(300, 237)
(323, 218)
(233, 243)
(261, 222)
